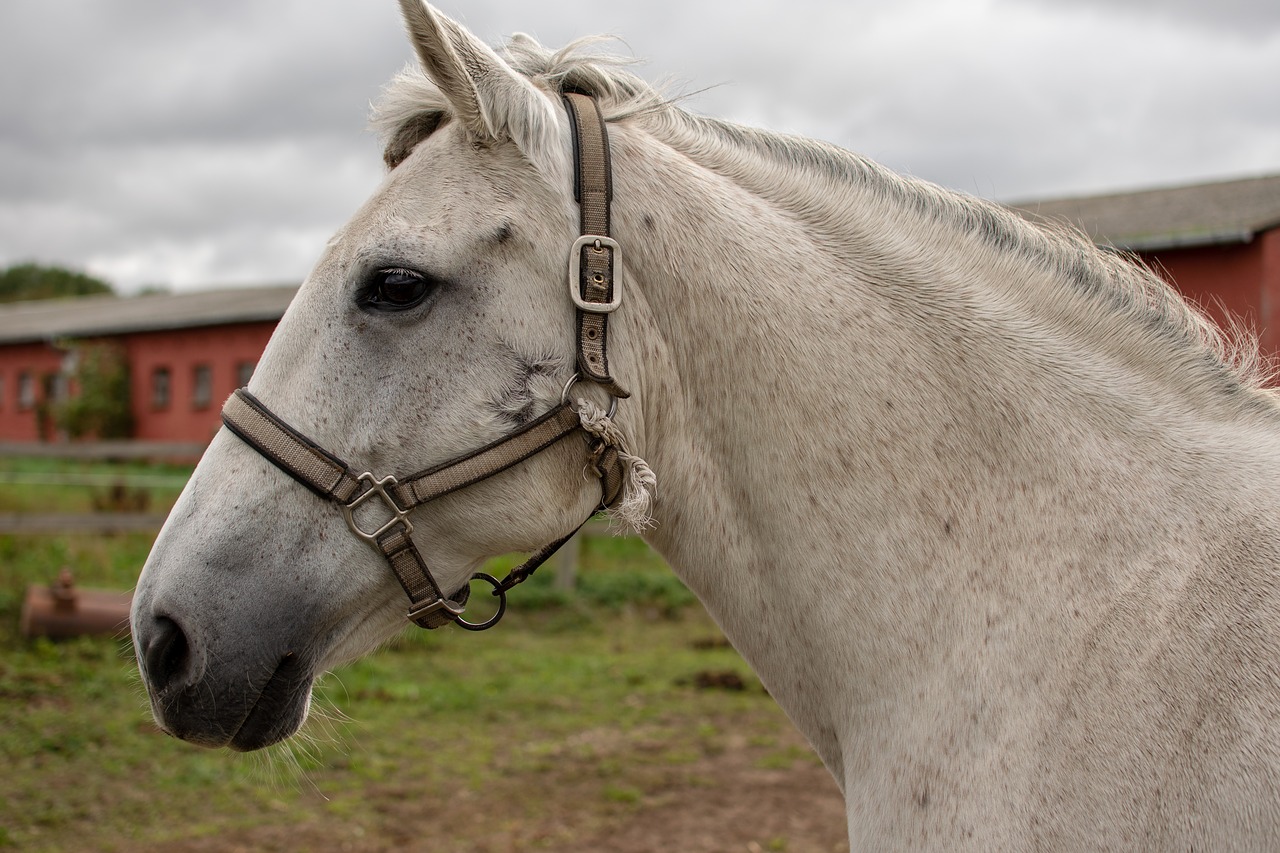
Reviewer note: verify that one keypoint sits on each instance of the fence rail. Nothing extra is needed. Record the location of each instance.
(564, 564)
(93, 480)
(92, 523)
(103, 450)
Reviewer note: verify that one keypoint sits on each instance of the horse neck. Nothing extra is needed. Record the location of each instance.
(775, 286)
(845, 424)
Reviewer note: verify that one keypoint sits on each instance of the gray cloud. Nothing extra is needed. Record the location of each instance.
(1254, 19)
(200, 144)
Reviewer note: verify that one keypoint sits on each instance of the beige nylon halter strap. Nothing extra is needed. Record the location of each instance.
(336, 481)
(595, 261)
(333, 479)
(291, 451)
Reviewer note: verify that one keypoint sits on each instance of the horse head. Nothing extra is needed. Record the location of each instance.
(436, 322)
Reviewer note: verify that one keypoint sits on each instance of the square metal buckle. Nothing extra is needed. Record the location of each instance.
(427, 608)
(575, 273)
(376, 488)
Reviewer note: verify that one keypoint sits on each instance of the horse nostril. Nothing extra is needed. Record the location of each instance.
(167, 654)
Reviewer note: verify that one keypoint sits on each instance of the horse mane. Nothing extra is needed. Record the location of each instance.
(412, 108)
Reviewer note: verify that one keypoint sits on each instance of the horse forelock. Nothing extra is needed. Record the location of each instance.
(411, 108)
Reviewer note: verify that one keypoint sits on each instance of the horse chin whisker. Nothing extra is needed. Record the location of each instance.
(324, 710)
(285, 765)
(288, 764)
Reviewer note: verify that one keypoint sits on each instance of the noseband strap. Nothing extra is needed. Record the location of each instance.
(595, 277)
(361, 495)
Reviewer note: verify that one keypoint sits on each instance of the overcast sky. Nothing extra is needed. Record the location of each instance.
(208, 144)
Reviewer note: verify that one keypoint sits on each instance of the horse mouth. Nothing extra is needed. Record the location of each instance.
(203, 713)
(280, 709)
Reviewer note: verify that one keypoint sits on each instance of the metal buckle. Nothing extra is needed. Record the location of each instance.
(432, 606)
(575, 273)
(379, 488)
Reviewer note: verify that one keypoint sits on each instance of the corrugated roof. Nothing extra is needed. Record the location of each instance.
(1203, 214)
(98, 316)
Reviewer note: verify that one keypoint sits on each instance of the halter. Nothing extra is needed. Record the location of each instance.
(595, 273)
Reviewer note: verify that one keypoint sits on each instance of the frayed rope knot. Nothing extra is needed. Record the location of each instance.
(638, 480)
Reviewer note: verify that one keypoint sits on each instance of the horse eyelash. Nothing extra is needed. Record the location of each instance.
(401, 271)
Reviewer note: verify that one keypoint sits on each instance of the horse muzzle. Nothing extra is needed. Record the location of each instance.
(244, 705)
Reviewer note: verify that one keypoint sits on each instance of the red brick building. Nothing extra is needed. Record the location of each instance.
(185, 354)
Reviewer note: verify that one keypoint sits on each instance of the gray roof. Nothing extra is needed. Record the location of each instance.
(1204, 214)
(101, 316)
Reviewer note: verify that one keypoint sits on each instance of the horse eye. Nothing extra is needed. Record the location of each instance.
(396, 289)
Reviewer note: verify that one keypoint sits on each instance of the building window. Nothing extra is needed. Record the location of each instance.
(26, 390)
(202, 387)
(56, 387)
(244, 372)
(160, 388)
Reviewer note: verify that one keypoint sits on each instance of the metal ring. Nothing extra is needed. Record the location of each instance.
(492, 620)
(564, 395)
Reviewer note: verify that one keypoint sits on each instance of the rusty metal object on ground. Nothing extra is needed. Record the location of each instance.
(62, 610)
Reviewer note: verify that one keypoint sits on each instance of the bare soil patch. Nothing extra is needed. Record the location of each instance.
(723, 802)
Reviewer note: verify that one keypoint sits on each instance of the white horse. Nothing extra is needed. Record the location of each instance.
(993, 514)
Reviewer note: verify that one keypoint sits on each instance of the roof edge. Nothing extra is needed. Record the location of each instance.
(1176, 240)
(49, 321)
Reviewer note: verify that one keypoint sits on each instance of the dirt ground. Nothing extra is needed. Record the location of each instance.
(725, 802)
(745, 809)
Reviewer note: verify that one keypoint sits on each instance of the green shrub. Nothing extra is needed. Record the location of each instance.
(100, 406)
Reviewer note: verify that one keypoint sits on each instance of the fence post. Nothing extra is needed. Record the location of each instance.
(565, 562)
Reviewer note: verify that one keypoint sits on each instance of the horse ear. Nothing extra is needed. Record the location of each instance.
(490, 99)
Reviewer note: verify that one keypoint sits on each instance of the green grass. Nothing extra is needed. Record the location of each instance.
(578, 711)
(435, 712)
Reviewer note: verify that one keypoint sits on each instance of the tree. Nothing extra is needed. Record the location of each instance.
(99, 406)
(33, 281)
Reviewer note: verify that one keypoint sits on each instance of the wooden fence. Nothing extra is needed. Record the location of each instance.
(92, 523)
(564, 564)
(100, 451)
